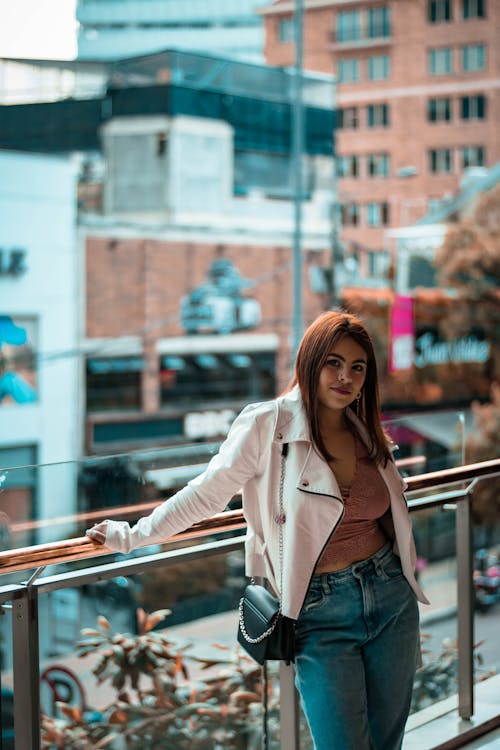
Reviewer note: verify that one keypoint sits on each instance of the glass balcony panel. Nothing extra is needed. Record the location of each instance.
(6, 683)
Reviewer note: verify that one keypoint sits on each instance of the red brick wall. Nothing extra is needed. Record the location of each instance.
(134, 287)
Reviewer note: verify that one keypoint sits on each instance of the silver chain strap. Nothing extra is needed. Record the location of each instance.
(281, 520)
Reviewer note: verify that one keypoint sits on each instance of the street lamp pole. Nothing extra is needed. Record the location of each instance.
(297, 150)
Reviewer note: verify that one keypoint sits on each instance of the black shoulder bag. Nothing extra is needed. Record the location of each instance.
(263, 630)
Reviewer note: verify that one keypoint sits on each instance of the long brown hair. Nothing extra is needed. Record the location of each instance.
(318, 341)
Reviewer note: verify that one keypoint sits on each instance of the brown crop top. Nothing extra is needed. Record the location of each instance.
(359, 534)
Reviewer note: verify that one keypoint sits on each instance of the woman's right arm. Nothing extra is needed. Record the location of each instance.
(235, 463)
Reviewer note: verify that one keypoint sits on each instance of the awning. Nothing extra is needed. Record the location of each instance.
(441, 427)
(104, 365)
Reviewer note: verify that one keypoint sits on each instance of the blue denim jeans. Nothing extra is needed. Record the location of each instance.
(357, 650)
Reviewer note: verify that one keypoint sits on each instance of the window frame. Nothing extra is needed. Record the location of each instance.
(377, 214)
(434, 115)
(435, 157)
(433, 57)
(439, 11)
(478, 53)
(346, 63)
(480, 151)
(348, 31)
(378, 22)
(386, 64)
(479, 6)
(372, 119)
(476, 105)
(287, 23)
(376, 158)
(353, 161)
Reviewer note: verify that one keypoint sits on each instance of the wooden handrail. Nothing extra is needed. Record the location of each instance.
(82, 548)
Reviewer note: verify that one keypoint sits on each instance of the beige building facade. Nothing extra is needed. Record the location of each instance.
(418, 102)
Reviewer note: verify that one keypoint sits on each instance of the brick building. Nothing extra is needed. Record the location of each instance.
(418, 101)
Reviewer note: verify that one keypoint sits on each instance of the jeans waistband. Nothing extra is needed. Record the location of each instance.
(373, 560)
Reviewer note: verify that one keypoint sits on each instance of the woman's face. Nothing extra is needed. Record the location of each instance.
(342, 376)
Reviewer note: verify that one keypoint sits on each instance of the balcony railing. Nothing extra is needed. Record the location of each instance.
(450, 488)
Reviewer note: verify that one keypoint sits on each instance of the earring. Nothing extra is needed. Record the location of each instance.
(358, 399)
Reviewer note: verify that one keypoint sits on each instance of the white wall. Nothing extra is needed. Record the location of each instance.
(38, 214)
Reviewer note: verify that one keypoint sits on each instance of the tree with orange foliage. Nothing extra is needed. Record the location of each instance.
(469, 262)
(481, 445)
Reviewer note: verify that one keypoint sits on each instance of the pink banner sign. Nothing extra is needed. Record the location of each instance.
(402, 354)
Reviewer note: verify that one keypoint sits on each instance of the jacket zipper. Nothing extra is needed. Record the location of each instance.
(322, 550)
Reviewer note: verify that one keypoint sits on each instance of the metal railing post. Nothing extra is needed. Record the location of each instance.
(465, 608)
(26, 670)
(289, 709)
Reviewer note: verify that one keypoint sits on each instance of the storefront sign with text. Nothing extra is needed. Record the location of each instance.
(432, 351)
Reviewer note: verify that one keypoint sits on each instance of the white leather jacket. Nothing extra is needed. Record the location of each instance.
(250, 460)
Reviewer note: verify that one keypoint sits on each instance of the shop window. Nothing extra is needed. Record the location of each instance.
(348, 166)
(440, 61)
(439, 110)
(378, 165)
(473, 57)
(17, 495)
(348, 118)
(378, 67)
(378, 115)
(114, 384)
(217, 378)
(473, 9)
(438, 11)
(473, 107)
(348, 71)
(440, 160)
(472, 156)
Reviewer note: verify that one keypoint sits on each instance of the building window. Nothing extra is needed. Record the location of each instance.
(268, 173)
(378, 165)
(473, 57)
(350, 215)
(348, 26)
(440, 61)
(348, 118)
(19, 494)
(378, 67)
(379, 22)
(348, 71)
(348, 166)
(439, 110)
(286, 30)
(473, 9)
(217, 377)
(439, 10)
(473, 107)
(378, 115)
(377, 214)
(440, 160)
(114, 383)
(472, 156)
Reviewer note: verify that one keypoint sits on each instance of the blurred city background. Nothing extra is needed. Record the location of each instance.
(184, 186)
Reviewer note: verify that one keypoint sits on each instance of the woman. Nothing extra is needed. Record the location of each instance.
(349, 555)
